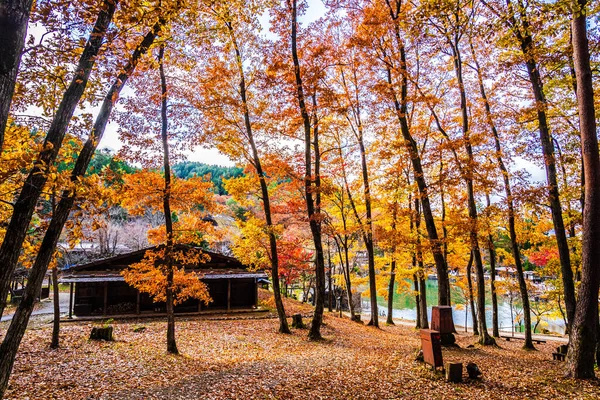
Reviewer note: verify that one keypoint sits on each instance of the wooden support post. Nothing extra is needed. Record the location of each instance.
(105, 298)
(71, 301)
(137, 303)
(228, 294)
(255, 292)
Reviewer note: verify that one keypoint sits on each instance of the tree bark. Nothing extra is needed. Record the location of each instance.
(35, 181)
(422, 282)
(14, 17)
(516, 253)
(471, 299)
(525, 39)
(329, 277)
(492, 255)
(368, 235)
(583, 338)
(310, 189)
(366, 227)
(342, 247)
(419, 177)
(56, 303)
(423, 301)
(467, 175)
(390, 305)
(417, 299)
(256, 162)
(171, 341)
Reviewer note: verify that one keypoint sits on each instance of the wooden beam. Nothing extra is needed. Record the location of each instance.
(71, 301)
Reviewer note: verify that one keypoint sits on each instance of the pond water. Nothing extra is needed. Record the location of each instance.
(404, 308)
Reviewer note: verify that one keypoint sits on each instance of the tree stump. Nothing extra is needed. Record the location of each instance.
(473, 370)
(448, 339)
(297, 321)
(454, 372)
(102, 333)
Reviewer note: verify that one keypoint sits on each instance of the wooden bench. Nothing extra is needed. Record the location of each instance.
(508, 338)
(558, 356)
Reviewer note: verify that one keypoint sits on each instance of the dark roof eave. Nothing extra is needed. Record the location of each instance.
(119, 278)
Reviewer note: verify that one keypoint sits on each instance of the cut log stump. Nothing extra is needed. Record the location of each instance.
(297, 321)
(473, 371)
(102, 333)
(454, 372)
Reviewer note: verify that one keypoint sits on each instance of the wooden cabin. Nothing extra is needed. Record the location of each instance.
(98, 288)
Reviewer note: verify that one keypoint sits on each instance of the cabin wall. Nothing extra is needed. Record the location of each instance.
(118, 298)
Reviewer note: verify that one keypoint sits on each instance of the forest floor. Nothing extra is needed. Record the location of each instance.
(247, 359)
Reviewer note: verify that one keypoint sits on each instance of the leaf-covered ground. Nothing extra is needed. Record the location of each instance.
(246, 359)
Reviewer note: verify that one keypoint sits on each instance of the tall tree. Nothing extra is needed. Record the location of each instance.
(517, 19)
(312, 183)
(580, 358)
(16, 330)
(450, 20)
(400, 103)
(14, 17)
(514, 243)
(255, 160)
(171, 342)
(33, 185)
(351, 105)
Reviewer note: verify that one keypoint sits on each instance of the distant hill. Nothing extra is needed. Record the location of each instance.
(184, 170)
(188, 169)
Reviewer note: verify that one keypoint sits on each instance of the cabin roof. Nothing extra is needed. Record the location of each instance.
(121, 261)
(109, 269)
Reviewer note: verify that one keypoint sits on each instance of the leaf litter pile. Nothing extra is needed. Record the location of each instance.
(246, 358)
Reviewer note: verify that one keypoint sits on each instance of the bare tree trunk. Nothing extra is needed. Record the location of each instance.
(14, 17)
(56, 302)
(35, 181)
(330, 271)
(423, 301)
(342, 246)
(390, 305)
(471, 299)
(583, 338)
(256, 162)
(413, 220)
(422, 283)
(417, 300)
(492, 254)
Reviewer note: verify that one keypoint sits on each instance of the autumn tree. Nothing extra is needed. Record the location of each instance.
(14, 16)
(397, 78)
(35, 181)
(18, 325)
(237, 29)
(583, 338)
(305, 95)
(517, 19)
